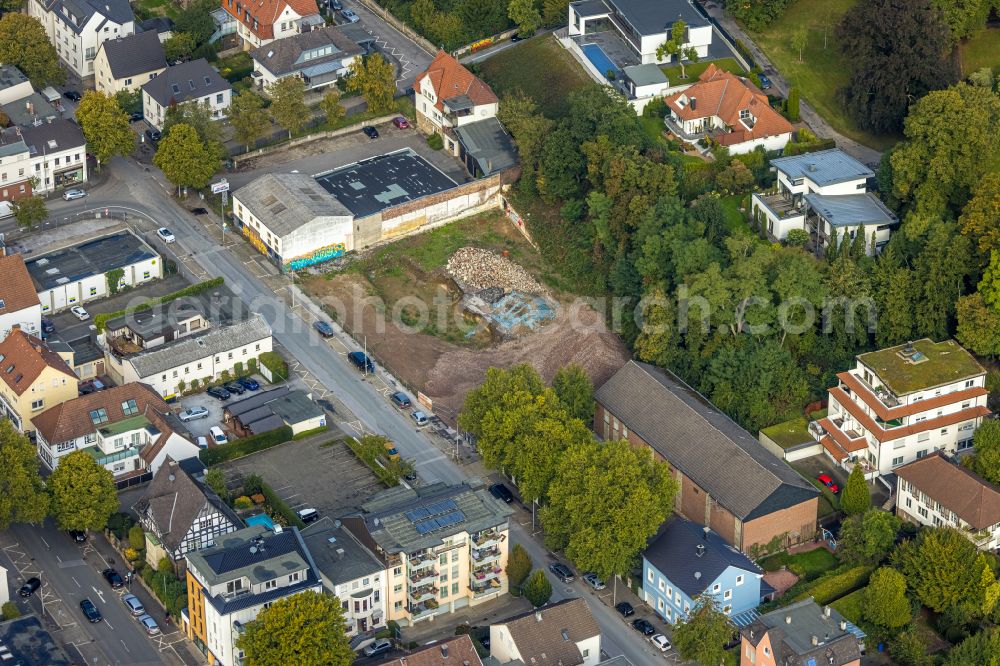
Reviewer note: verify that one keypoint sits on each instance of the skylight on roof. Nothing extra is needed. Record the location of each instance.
(191, 83)
(175, 88)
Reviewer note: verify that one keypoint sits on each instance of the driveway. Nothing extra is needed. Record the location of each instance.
(407, 54)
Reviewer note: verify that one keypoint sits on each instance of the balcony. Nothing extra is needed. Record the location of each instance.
(484, 555)
(483, 590)
(418, 611)
(884, 395)
(487, 573)
(486, 539)
(423, 593)
(780, 206)
(423, 575)
(420, 560)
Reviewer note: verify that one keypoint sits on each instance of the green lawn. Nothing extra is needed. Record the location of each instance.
(235, 67)
(789, 433)
(850, 605)
(653, 127)
(735, 219)
(694, 70)
(823, 69)
(818, 414)
(808, 565)
(161, 8)
(541, 69)
(982, 50)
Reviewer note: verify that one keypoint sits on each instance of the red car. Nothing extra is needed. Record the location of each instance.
(828, 482)
(401, 122)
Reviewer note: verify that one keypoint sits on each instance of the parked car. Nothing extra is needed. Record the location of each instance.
(135, 117)
(765, 82)
(134, 605)
(80, 313)
(218, 392)
(113, 577)
(828, 482)
(370, 131)
(29, 587)
(643, 626)
(165, 235)
(153, 135)
(562, 572)
(79, 536)
(593, 580)
(516, 37)
(349, 15)
(218, 436)
(70, 195)
(72, 95)
(249, 383)
(202, 442)
(235, 387)
(661, 642)
(381, 645)
(361, 361)
(401, 122)
(419, 418)
(90, 610)
(502, 493)
(625, 608)
(323, 328)
(48, 326)
(336, 5)
(400, 399)
(199, 211)
(391, 452)
(193, 414)
(308, 515)
(91, 386)
(149, 624)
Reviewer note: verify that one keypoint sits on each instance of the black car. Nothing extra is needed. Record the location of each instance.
(324, 328)
(90, 610)
(29, 587)
(562, 572)
(336, 5)
(409, 91)
(235, 387)
(361, 361)
(113, 578)
(625, 608)
(400, 399)
(502, 493)
(249, 383)
(134, 117)
(154, 135)
(218, 392)
(370, 131)
(516, 37)
(765, 82)
(78, 535)
(72, 95)
(48, 326)
(644, 627)
(199, 211)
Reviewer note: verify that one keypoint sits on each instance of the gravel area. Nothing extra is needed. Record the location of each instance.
(478, 269)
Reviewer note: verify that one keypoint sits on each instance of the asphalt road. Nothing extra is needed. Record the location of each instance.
(410, 56)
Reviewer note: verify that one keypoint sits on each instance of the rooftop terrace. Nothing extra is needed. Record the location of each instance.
(930, 364)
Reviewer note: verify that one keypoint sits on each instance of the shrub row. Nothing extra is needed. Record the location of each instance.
(171, 592)
(276, 365)
(310, 433)
(101, 319)
(244, 447)
(836, 584)
(850, 606)
(369, 456)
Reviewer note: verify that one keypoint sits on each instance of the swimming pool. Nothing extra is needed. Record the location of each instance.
(602, 62)
(260, 519)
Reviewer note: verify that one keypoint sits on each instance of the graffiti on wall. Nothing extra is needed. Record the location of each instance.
(317, 257)
(255, 240)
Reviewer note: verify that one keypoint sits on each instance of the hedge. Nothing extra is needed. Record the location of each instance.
(244, 447)
(850, 606)
(370, 457)
(273, 362)
(837, 584)
(278, 506)
(101, 319)
(310, 433)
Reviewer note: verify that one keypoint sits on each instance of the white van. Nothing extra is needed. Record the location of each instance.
(6, 210)
(218, 436)
(308, 515)
(203, 442)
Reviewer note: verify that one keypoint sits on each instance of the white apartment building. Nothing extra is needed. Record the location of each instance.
(935, 491)
(78, 27)
(263, 21)
(230, 583)
(445, 547)
(19, 305)
(53, 153)
(903, 403)
(193, 81)
(563, 632)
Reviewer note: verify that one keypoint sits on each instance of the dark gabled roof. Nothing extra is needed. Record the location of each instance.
(674, 553)
(972, 498)
(489, 144)
(157, 24)
(243, 406)
(702, 442)
(136, 54)
(549, 635)
(457, 651)
(282, 56)
(193, 80)
(119, 11)
(25, 642)
(792, 628)
(54, 136)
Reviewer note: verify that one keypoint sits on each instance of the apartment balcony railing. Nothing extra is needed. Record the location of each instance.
(492, 587)
(422, 576)
(779, 205)
(420, 560)
(486, 573)
(419, 594)
(422, 610)
(484, 555)
(486, 539)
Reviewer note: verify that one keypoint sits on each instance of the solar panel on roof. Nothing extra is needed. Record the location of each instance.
(417, 514)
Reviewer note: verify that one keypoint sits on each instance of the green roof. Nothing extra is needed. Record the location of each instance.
(937, 363)
(129, 424)
(789, 433)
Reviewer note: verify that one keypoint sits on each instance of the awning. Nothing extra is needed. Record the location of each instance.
(323, 68)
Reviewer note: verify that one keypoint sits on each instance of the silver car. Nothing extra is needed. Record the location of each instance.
(149, 624)
(133, 604)
(69, 195)
(349, 16)
(193, 414)
(593, 580)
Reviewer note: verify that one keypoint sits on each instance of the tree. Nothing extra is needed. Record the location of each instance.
(248, 118)
(986, 443)
(422, 14)
(497, 383)
(978, 220)
(196, 20)
(22, 494)
(184, 158)
(9, 6)
(518, 565)
(606, 500)
(288, 105)
(868, 537)
(306, 629)
(980, 648)
(964, 18)
(129, 101)
(179, 45)
(792, 105)
(675, 46)
(10, 611)
(29, 211)
(136, 537)
(526, 15)
(799, 40)
(909, 648)
(572, 384)
(702, 636)
(554, 11)
(886, 604)
(538, 589)
(216, 480)
(899, 51)
(83, 493)
(735, 178)
(375, 78)
(332, 107)
(756, 14)
(978, 326)
(105, 126)
(24, 44)
(797, 238)
(198, 116)
(482, 18)
(940, 268)
(856, 498)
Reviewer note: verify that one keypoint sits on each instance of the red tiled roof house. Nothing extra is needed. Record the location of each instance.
(448, 95)
(259, 22)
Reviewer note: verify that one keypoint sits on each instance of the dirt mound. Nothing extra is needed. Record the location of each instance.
(481, 269)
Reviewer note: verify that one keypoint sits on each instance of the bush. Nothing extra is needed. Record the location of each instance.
(245, 446)
(242, 503)
(10, 611)
(253, 486)
(165, 565)
(310, 433)
(137, 537)
(792, 105)
(101, 319)
(836, 584)
(119, 524)
(538, 589)
(435, 141)
(277, 366)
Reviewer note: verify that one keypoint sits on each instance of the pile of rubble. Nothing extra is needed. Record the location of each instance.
(478, 269)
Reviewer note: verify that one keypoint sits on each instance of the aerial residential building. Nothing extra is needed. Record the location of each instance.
(34, 378)
(449, 95)
(231, 582)
(126, 63)
(193, 81)
(259, 23)
(25, 642)
(14, 85)
(77, 28)
(15, 166)
(457, 651)
(159, 325)
(58, 154)
(563, 633)
(320, 57)
(445, 547)
(686, 561)
(900, 404)
(269, 410)
(163, 26)
(350, 572)
(19, 305)
(643, 25)
(181, 515)
(801, 634)
(936, 491)
(727, 480)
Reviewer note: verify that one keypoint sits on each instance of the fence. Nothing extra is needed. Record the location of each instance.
(237, 159)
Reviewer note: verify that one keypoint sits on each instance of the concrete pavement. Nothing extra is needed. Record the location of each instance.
(410, 56)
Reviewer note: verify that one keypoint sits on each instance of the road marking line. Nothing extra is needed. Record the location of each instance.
(109, 625)
(123, 645)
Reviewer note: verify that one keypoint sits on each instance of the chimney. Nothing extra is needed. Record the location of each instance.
(814, 639)
(565, 635)
(700, 548)
(826, 611)
(705, 530)
(843, 625)
(697, 575)
(812, 166)
(444, 651)
(788, 619)
(538, 616)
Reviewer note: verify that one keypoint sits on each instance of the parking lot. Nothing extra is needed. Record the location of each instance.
(327, 477)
